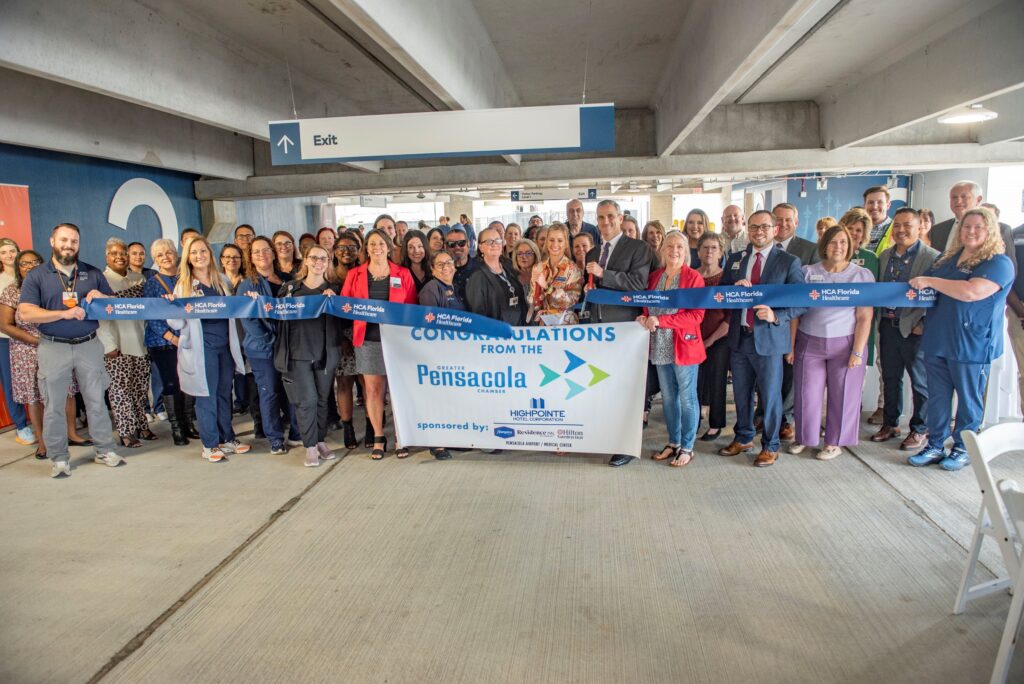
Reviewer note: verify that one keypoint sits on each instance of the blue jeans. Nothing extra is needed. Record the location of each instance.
(16, 410)
(213, 412)
(679, 399)
(272, 399)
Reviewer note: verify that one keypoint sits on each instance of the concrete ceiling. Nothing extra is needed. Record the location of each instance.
(703, 89)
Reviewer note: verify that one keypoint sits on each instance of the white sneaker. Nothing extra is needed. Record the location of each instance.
(214, 455)
(25, 436)
(108, 459)
(150, 418)
(828, 453)
(325, 453)
(796, 448)
(162, 415)
(60, 468)
(234, 447)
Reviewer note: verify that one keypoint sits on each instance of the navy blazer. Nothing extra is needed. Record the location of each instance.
(780, 268)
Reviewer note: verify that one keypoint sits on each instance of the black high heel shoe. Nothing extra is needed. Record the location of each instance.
(380, 445)
(368, 435)
(349, 434)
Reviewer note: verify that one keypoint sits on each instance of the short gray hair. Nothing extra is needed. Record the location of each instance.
(115, 242)
(162, 242)
(610, 202)
(975, 188)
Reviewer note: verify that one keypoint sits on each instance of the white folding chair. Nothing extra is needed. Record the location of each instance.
(992, 518)
(1014, 500)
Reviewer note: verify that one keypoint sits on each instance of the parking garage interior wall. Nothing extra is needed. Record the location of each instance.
(79, 190)
(840, 195)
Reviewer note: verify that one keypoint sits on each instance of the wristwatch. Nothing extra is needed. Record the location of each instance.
(859, 355)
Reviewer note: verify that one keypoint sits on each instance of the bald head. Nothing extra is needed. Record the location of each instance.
(574, 214)
(732, 221)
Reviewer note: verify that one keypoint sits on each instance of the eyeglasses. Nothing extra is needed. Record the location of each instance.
(30, 264)
(247, 236)
(492, 242)
(317, 259)
(760, 226)
(346, 248)
(457, 243)
(284, 243)
(527, 253)
(444, 264)
(263, 252)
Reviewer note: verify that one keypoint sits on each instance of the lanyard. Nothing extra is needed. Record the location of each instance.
(163, 284)
(64, 284)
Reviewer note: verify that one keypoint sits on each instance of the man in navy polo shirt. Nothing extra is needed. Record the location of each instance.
(51, 297)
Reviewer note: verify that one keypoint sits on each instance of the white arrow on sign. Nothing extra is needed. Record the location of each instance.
(143, 192)
(284, 142)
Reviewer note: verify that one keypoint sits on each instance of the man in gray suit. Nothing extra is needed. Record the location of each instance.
(899, 332)
(620, 263)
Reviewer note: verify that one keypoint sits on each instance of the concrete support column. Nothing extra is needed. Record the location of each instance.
(219, 218)
(661, 210)
(455, 207)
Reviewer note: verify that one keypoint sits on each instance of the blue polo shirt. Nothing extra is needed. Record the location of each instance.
(44, 286)
(969, 332)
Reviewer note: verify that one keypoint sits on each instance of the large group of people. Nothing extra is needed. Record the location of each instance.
(797, 374)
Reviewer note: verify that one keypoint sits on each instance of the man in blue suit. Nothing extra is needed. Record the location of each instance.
(759, 337)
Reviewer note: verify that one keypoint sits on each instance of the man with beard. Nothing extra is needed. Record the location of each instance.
(51, 297)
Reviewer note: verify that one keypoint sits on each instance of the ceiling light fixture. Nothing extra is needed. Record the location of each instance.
(974, 113)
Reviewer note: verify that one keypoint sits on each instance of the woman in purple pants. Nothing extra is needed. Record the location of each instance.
(828, 353)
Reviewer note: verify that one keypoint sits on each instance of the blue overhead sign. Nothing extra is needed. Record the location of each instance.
(462, 133)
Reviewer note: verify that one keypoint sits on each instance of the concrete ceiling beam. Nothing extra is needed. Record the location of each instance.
(38, 113)
(763, 163)
(443, 46)
(981, 59)
(162, 58)
(718, 48)
(1010, 123)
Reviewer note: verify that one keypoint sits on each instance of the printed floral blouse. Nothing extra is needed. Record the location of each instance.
(554, 291)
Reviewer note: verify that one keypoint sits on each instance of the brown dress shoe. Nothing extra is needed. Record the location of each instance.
(887, 432)
(735, 448)
(914, 441)
(786, 431)
(876, 418)
(766, 458)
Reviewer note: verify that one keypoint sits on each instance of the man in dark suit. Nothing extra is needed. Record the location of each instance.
(574, 220)
(966, 195)
(759, 337)
(900, 330)
(787, 218)
(620, 263)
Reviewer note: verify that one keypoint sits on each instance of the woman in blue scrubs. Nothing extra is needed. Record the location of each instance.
(963, 333)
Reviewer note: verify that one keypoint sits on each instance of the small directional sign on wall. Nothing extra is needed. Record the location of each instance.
(462, 133)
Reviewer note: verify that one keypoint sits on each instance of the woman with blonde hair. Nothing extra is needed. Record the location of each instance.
(556, 283)
(696, 224)
(963, 332)
(208, 352)
(823, 224)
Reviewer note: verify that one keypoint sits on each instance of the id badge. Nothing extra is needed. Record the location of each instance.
(70, 299)
(585, 315)
(396, 282)
(816, 278)
(513, 301)
(736, 266)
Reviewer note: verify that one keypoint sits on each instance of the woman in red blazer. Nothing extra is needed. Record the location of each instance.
(676, 350)
(381, 279)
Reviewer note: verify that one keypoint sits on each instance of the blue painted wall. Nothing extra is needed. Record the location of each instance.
(841, 195)
(76, 189)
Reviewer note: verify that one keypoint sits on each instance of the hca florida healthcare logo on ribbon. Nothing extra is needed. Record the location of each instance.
(645, 299)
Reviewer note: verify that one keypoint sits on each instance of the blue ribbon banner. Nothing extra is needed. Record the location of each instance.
(295, 308)
(889, 295)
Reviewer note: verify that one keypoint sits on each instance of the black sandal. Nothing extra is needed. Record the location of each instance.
(380, 445)
(667, 451)
(401, 452)
(41, 456)
(147, 435)
(129, 442)
(440, 453)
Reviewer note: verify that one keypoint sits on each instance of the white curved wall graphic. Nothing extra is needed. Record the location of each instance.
(143, 192)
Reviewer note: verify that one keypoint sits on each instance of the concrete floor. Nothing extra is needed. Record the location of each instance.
(513, 568)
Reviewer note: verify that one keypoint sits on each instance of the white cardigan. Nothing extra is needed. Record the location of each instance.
(126, 336)
(192, 360)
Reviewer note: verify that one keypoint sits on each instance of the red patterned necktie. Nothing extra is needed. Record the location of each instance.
(755, 279)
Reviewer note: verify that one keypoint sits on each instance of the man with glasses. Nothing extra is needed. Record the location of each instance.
(244, 235)
(574, 219)
(759, 336)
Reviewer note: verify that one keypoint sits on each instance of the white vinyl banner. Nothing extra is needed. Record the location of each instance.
(577, 388)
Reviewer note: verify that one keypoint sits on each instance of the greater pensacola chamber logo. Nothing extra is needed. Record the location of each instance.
(815, 295)
(719, 297)
(504, 432)
(596, 374)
